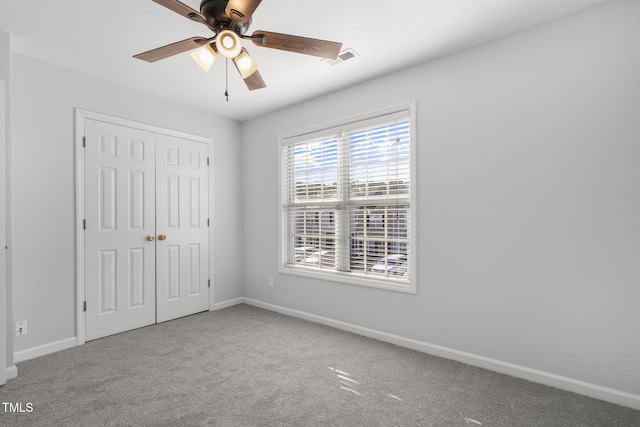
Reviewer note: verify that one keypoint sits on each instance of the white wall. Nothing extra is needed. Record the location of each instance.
(4, 55)
(6, 338)
(43, 101)
(528, 200)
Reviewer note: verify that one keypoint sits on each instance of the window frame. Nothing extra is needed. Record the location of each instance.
(370, 118)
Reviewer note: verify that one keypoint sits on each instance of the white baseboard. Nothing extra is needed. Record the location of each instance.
(42, 350)
(12, 372)
(576, 386)
(227, 304)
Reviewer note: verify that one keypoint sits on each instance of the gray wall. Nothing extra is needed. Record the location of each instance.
(6, 335)
(6, 355)
(528, 201)
(43, 101)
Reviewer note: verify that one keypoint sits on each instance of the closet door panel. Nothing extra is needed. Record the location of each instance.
(182, 227)
(119, 202)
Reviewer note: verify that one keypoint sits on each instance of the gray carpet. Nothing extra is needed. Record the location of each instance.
(244, 366)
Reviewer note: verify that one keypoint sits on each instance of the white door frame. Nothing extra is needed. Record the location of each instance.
(81, 116)
(3, 240)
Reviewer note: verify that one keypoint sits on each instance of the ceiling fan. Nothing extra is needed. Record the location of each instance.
(229, 20)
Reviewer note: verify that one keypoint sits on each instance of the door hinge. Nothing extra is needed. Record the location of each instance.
(84, 306)
(209, 282)
(84, 224)
(84, 141)
(208, 222)
(208, 161)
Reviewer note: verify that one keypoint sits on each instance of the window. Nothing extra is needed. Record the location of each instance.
(346, 201)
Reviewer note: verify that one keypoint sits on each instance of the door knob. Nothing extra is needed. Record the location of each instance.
(150, 238)
(162, 237)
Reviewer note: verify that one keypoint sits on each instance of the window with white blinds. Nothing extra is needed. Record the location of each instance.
(346, 201)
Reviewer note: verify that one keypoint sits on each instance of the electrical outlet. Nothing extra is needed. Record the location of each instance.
(21, 328)
(271, 283)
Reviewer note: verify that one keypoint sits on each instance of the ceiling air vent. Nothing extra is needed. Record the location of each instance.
(344, 55)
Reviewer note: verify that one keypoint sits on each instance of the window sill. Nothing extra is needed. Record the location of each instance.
(398, 285)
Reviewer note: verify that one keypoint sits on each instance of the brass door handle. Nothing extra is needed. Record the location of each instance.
(162, 237)
(150, 238)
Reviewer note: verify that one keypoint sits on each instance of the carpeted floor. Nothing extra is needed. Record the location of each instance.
(244, 366)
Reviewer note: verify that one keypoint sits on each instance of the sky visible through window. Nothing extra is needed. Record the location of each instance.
(376, 154)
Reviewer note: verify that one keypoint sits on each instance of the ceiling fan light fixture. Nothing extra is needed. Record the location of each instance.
(204, 56)
(228, 44)
(245, 64)
(229, 21)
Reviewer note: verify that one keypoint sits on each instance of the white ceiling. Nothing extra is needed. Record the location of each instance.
(99, 38)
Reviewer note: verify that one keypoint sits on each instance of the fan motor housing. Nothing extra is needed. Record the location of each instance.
(214, 11)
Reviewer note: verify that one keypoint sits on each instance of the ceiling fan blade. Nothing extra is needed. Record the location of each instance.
(297, 44)
(241, 10)
(171, 49)
(182, 9)
(254, 81)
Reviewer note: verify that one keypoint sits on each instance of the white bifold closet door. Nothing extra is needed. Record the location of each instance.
(182, 248)
(146, 236)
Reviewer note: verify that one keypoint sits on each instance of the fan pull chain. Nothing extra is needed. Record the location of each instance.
(226, 88)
